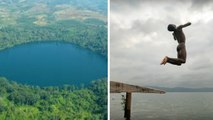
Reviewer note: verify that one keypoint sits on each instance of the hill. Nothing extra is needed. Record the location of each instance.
(81, 22)
(184, 89)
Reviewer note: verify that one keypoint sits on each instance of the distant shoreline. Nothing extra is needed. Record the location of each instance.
(183, 89)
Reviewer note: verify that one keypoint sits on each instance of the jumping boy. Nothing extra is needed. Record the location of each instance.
(181, 48)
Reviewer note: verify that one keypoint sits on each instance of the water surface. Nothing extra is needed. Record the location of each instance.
(169, 106)
(51, 64)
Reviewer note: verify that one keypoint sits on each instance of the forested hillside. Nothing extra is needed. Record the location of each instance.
(23, 102)
(81, 22)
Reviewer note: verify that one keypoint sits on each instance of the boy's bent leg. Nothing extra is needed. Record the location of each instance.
(181, 56)
(175, 61)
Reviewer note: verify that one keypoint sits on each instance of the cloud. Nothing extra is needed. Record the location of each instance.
(197, 4)
(139, 40)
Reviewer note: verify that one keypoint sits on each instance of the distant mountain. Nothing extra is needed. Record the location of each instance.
(183, 89)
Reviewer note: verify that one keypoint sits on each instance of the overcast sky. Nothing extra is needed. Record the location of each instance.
(139, 40)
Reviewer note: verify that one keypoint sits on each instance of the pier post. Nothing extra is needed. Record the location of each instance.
(127, 111)
(117, 87)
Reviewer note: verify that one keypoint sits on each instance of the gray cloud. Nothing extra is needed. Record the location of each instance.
(139, 40)
(196, 4)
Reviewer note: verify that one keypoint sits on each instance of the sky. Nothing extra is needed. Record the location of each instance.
(139, 40)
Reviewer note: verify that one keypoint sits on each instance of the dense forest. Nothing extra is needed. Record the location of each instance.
(24, 102)
(81, 22)
(85, 33)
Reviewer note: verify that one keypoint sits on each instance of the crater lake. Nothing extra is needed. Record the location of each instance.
(51, 64)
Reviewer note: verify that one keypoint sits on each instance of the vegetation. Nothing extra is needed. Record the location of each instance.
(83, 33)
(23, 102)
(123, 101)
(81, 22)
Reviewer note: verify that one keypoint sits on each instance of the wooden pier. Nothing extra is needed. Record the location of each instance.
(117, 87)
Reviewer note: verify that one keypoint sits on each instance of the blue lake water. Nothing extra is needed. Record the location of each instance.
(169, 106)
(51, 64)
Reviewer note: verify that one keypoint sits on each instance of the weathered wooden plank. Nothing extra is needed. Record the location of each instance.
(117, 87)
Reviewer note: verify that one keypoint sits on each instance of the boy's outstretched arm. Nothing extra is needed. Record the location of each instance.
(185, 25)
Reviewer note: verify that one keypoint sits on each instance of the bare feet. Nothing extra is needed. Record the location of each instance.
(164, 61)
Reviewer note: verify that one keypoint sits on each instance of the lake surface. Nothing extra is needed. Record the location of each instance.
(169, 106)
(51, 64)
